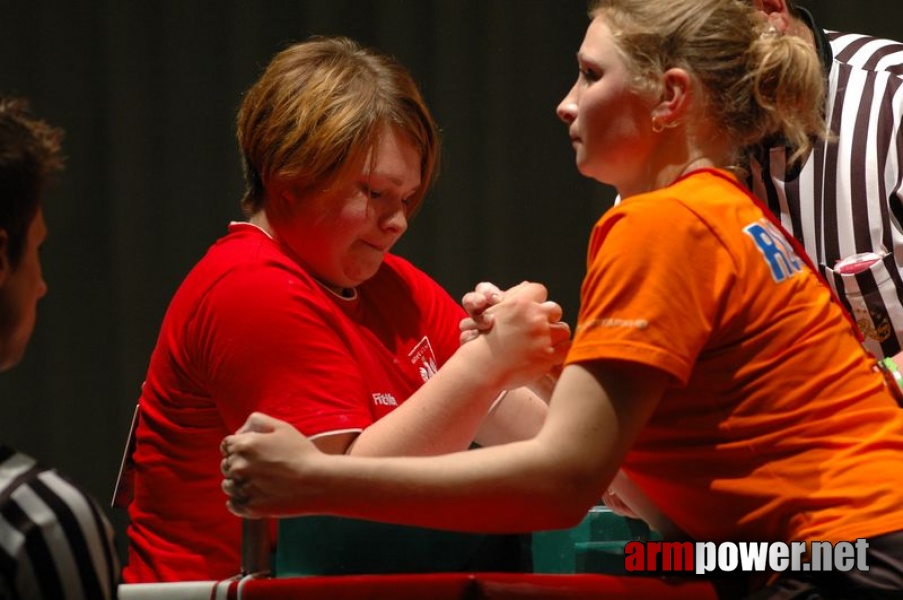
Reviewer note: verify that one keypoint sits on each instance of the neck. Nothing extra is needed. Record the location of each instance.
(677, 156)
(703, 146)
(669, 176)
(702, 162)
(260, 220)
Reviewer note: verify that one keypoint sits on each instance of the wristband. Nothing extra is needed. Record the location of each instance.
(893, 377)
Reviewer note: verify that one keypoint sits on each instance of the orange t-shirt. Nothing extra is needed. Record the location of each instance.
(776, 426)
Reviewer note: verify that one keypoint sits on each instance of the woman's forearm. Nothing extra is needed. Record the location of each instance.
(511, 488)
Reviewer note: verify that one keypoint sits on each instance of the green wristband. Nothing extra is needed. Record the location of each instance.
(889, 366)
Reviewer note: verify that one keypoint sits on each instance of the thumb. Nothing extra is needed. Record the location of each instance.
(259, 423)
(489, 291)
(529, 290)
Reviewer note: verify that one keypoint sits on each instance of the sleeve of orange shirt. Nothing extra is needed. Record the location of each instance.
(656, 278)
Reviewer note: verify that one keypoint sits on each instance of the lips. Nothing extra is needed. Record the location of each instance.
(384, 247)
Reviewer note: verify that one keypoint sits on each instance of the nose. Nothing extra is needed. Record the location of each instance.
(42, 288)
(567, 109)
(395, 219)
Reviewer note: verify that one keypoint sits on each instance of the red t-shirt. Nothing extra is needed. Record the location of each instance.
(776, 426)
(249, 330)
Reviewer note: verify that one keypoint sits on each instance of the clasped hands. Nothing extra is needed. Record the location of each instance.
(534, 341)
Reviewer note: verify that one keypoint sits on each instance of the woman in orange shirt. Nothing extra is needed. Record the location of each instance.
(710, 363)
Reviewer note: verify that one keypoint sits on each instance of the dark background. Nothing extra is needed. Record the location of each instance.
(147, 92)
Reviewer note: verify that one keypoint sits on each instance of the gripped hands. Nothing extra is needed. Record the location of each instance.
(263, 466)
(525, 335)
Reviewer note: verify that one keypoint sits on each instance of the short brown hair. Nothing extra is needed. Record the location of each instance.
(30, 155)
(318, 111)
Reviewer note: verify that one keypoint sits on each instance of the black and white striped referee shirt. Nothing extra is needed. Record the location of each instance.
(847, 198)
(55, 542)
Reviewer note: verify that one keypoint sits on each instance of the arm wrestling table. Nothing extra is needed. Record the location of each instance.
(557, 581)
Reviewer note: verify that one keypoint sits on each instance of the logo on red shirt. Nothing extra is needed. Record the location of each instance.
(423, 358)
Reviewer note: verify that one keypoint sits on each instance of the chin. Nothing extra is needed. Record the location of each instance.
(356, 281)
(362, 273)
(588, 172)
(10, 360)
(13, 349)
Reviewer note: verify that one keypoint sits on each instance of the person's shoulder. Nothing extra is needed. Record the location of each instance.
(53, 513)
(15, 469)
(707, 197)
(701, 186)
(20, 471)
(867, 52)
(243, 243)
(245, 259)
(645, 212)
(244, 238)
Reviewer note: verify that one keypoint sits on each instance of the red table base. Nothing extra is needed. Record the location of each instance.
(471, 586)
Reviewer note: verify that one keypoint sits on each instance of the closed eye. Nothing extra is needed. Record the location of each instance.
(589, 75)
(371, 192)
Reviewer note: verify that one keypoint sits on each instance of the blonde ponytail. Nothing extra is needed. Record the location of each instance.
(787, 82)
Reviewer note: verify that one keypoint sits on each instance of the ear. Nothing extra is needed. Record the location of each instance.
(676, 98)
(777, 12)
(6, 268)
(770, 6)
(279, 199)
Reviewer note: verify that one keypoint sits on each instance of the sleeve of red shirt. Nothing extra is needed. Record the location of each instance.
(270, 348)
